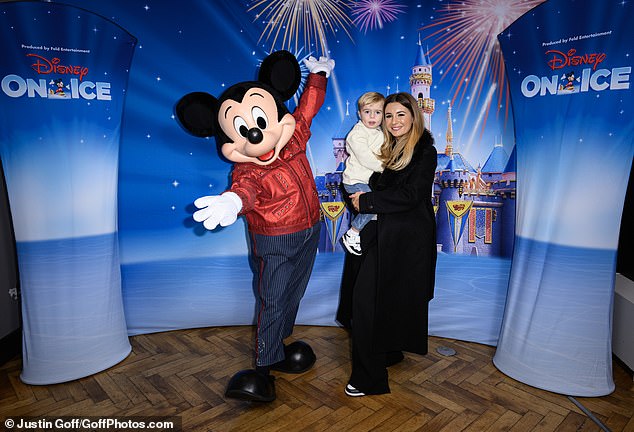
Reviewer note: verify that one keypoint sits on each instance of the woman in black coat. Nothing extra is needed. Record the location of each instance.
(386, 291)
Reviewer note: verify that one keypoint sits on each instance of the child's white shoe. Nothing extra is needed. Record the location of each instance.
(352, 242)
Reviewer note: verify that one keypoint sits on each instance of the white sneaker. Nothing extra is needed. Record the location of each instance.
(351, 391)
(352, 241)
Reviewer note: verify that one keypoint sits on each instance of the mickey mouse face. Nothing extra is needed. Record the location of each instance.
(254, 132)
(249, 121)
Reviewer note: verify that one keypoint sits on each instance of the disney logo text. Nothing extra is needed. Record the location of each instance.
(561, 60)
(44, 66)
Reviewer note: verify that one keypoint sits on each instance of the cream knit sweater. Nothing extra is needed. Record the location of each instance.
(363, 145)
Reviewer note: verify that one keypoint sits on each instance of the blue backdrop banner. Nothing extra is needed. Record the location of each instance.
(570, 79)
(177, 275)
(64, 74)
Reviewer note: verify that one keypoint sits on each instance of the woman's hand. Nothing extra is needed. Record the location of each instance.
(355, 199)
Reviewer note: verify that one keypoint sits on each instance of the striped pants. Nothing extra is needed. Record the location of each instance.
(282, 266)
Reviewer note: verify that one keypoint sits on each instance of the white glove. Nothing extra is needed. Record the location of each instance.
(324, 64)
(217, 209)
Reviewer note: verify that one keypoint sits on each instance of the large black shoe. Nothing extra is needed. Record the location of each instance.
(299, 358)
(250, 385)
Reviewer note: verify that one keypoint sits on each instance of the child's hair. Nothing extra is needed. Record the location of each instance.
(369, 98)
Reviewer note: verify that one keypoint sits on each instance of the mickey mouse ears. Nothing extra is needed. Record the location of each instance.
(281, 71)
(197, 113)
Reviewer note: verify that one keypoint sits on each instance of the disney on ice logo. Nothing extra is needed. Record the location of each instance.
(571, 81)
(58, 87)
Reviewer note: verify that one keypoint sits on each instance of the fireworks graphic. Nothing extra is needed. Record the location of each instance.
(301, 22)
(466, 48)
(372, 14)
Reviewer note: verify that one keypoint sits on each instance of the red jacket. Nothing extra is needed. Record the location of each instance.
(281, 198)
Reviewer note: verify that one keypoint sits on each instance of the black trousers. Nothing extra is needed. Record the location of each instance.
(369, 371)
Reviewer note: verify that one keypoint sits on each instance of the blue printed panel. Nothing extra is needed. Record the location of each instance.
(64, 74)
(570, 82)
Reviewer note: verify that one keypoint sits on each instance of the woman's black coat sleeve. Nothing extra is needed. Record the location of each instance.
(413, 187)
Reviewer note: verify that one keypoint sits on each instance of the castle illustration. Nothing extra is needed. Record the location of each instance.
(475, 207)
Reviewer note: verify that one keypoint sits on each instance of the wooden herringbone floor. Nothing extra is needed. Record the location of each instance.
(183, 373)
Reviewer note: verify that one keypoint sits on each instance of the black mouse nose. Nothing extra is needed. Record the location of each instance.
(255, 136)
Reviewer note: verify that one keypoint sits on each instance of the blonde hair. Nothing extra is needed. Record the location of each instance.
(396, 154)
(369, 98)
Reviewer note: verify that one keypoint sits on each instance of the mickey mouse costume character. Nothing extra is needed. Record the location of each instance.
(273, 187)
